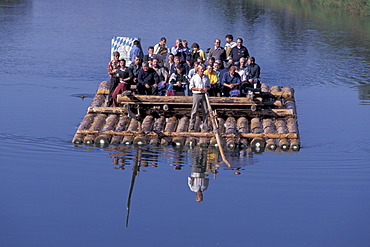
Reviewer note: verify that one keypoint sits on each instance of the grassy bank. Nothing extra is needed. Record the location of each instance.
(358, 7)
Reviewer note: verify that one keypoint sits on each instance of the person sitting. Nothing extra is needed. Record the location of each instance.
(148, 57)
(136, 51)
(239, 51)
(193, 71)
(179, 81)
(230, 81)
(177, 61)
(217, 52)
(135, 68)
(253, 77)
(186, 49)
(163, 76)
(188, 65)
(213, 79)
(161, 49)
(197, 52)
(210, 61)
(125, 77)
(169, 62)
(147, 81)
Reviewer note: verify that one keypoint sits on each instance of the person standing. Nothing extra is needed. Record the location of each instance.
(199, 85)
(239, 51)
(217, 51)
(161, 49)
(136, 51)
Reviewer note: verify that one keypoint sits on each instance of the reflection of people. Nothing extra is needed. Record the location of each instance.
(198, 182)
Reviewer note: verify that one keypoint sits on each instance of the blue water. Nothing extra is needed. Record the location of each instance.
(56, 194)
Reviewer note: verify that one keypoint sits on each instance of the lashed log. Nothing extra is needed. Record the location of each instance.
(269, 128)
(157, 128)
(98, 101)
(181, 127)
(146, 127)
(192, 141)
(186, 100)
(103, 88)
(191, 134)
(221, 129)
(288, 91)
(281, 129)
(295, 144)
(257, 143)
(264, 88)
(230, 129)
(134, 126)
(171, 125)
(242, 127)
(97, 125)
(122, 124)
(226, 112)
(84, 125)
(275, 89)
(110, 124)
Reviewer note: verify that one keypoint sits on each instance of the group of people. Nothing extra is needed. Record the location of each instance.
(229, 70)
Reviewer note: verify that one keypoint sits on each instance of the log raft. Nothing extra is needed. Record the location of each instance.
(269, 120)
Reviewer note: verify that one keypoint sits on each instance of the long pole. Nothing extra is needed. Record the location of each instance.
(215, 130)
(135, 171)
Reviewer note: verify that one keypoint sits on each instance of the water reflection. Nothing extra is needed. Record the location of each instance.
(364, 94)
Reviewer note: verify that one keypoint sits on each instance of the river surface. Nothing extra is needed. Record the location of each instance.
(56, 194)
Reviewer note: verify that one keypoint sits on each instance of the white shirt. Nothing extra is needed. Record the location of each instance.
(199, 82)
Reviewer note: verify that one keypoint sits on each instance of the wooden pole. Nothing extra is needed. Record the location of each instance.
(215, 130)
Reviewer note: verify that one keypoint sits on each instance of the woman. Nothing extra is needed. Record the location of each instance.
(197, 52)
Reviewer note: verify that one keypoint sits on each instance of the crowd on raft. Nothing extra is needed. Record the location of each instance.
(168, 71)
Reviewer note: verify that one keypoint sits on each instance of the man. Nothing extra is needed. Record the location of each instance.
(149, 57)
(179, 81)
(230, 44)
(125, 76)
(230, 81)
(135, 68)
(199, 85)
(147, 81)
(161, 48)
(198, 181)
(239, 51)
(213, 80)
(217, 52)
(162, 74)
(136, 51)
(254, 71)
(179, 51)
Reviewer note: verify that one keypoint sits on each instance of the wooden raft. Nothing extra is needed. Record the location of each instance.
(268, 122)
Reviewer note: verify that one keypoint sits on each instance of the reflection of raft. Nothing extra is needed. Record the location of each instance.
(268, 121)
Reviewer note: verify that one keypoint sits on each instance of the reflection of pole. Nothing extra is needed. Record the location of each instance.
(215, 130)
(135, 171)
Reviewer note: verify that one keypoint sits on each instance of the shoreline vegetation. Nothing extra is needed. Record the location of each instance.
(357, 7)
(351, 7)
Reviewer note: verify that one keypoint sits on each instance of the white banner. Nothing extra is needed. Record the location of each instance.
(123, 45)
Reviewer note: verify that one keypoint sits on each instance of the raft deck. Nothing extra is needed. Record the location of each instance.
(266, 122)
